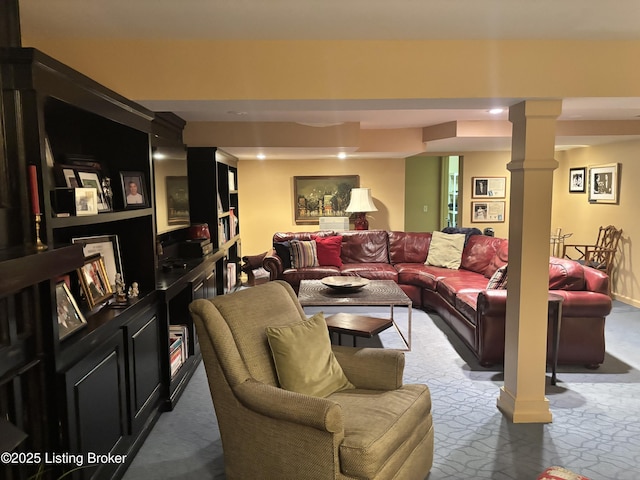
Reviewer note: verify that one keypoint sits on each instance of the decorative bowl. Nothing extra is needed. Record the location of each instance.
(345, 283)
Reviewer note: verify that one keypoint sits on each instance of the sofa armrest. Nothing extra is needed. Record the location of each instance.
(492, 302)
(596, 280)
(280, 404)
(273, 264)
(371, 368)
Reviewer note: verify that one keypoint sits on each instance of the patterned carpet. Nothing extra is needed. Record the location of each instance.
(595, 429)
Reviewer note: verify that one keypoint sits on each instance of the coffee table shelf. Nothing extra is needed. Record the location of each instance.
(376, 293)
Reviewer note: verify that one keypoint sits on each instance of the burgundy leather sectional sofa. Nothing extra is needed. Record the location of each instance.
(460, 296)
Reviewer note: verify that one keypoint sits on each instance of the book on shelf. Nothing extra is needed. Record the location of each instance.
(175, 355)
(180, 332)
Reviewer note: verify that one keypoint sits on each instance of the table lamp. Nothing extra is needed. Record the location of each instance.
(360, 204)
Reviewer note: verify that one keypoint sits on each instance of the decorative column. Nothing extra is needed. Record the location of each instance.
(522, 398)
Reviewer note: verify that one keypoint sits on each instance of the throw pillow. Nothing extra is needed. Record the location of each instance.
(329, 250)
(498, 280)
(283, 250)
(446, 250)
(560, 473)
(304, 360)
(303, 253)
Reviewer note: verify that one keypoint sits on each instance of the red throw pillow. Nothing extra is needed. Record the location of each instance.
(329, 249)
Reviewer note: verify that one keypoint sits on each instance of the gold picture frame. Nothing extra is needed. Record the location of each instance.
(322, 196)
(94, 280)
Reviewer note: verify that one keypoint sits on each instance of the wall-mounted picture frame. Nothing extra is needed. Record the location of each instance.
(489, 187)
(577, 180)
(70, 318)
(604, 183)
(94, 281)
(488, 211)
(133, 190)
(108, 247)
(86, 200)
(322, 196)
(177, 200)
(91, 179)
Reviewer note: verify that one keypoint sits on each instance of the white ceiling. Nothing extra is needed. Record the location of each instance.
(352, 19)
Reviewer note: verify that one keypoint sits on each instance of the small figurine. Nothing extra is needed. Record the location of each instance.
(133, 290)
(121, 296)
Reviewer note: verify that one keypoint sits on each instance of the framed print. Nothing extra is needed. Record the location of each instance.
(89, 179)
(86, 201)
(487, 212)
(489, 187)
(70, 178)
(604, 183)
(577, 180)
(177, 200)
(107, 246)
(322, 196)
(70, 319)
(94, 280)
(133, 190)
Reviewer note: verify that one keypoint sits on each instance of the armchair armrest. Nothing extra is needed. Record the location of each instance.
(280, 404)
(273, 264)
(371, 368)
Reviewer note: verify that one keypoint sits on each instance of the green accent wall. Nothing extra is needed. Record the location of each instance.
(422, 187)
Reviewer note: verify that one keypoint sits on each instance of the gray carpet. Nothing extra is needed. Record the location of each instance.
(595, 429)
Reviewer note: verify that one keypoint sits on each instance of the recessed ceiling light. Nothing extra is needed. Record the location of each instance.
(496, 111)
(342, 155)
(261, 156)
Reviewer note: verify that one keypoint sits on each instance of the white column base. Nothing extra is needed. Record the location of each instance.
(524, 411)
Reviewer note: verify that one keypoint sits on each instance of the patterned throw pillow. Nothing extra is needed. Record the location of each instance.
(560, 473)
(304, 253)
(498, 280)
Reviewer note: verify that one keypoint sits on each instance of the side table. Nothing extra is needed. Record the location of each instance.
(555, 318)
(356, 325)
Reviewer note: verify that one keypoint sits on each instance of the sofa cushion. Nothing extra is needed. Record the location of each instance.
(329, 250)
(478, 252)
(304, 253)
(423, 276)
(466, 304)
(365, 246)
(303, 358)
(450, 287)
(445, 250)
(372, 271)
(500, 259)
(283, 250)
(408, 247)
(498, 280)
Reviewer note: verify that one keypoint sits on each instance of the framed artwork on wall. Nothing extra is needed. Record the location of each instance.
(322, 196)
(604, 183)
(488, 212)
(577, 180)
(177, 200)
(489, 187)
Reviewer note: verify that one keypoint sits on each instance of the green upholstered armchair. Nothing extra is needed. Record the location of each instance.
(381, 429)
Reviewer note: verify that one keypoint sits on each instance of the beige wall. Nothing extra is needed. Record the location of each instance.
(574, 214)
(266, 195)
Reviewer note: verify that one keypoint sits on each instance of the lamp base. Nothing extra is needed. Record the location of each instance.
(361, 223)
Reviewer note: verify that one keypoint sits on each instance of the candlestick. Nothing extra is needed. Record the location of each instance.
(33, 188)
(39, 244)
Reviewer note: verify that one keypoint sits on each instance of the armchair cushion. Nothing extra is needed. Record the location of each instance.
(446, 250)
(304, 360)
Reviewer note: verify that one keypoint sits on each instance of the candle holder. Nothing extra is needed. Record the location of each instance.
(39, 245)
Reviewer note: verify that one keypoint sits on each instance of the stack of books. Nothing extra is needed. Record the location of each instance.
(178, 347)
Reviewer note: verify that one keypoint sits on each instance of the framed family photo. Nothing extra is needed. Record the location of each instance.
(70, 319)
(489, 187)
(133, 190)
(94, 280)
(107, 246)
(577, 180)
(604, 183)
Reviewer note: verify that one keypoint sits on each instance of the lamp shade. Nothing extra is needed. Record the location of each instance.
(361, 201)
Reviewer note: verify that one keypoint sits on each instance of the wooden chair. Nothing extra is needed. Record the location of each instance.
(599, 255)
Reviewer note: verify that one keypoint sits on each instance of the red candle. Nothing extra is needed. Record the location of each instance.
(33, 186)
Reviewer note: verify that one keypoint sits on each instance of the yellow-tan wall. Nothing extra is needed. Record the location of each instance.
(266, 195)
(574, 214)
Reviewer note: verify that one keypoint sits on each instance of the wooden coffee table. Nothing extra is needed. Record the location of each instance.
(376, 293)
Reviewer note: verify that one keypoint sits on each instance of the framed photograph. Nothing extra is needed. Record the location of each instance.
(89, 179)
(94, 280)
(487, 212)
(109, 248)
(70, 319)
(604, 183)
(86, 201)
(133, 190)
(489, 187)
(577, 180)
(322, 196)
(177, 201)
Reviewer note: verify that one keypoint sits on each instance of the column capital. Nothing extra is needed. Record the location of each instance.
(535, 109)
